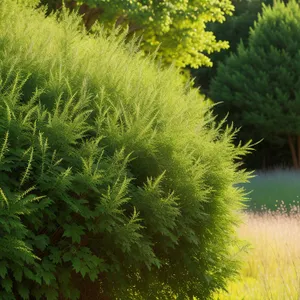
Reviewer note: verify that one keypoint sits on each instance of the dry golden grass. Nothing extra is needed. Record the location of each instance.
(271, 268)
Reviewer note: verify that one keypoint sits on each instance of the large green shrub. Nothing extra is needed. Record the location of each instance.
(115, 181)
(260, 84)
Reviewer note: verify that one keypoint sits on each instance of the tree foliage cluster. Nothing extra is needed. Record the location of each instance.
(115, 180)
(173, 29)
(259, 85)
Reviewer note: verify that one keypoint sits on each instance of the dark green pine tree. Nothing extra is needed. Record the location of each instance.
(234, 29)
(260, 85)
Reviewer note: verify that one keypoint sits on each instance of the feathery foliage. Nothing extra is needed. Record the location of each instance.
(116, 183)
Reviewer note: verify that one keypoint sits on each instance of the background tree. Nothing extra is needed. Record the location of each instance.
(177, 27)
(115, 180)
(234, 29)
(259, 86)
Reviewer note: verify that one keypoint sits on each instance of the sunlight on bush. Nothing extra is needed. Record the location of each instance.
(116, 182)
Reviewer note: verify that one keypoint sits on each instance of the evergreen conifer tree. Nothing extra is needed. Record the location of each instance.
(259, 85)
(234, 29)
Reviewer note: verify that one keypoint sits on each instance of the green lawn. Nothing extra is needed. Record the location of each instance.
(270, 189)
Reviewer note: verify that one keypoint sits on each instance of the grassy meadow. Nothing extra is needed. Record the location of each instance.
(271, 264)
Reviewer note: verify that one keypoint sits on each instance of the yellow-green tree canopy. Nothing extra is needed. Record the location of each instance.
(177, 27)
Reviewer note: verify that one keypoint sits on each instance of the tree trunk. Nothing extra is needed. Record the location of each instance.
(89, 290)
(293, 152)
(90, 14)
(264, 160)
(298, 149)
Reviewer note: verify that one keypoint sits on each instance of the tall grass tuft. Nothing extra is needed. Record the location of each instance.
(271, 268)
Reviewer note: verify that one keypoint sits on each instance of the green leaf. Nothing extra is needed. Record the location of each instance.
(68, 256)
(93, 275)
(23, 291)
(7, 284)
(3, 268)
(41, 241)
(55, 256)
(51, 294)
(18, 273)
(30, 275)
(76, 263)
(80, 266)
(48, 277)
(74, 232)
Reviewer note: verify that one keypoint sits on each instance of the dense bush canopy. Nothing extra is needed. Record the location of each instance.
(260, 84)
(115, 181)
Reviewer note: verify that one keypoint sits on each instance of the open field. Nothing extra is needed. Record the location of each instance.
(271, 268)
